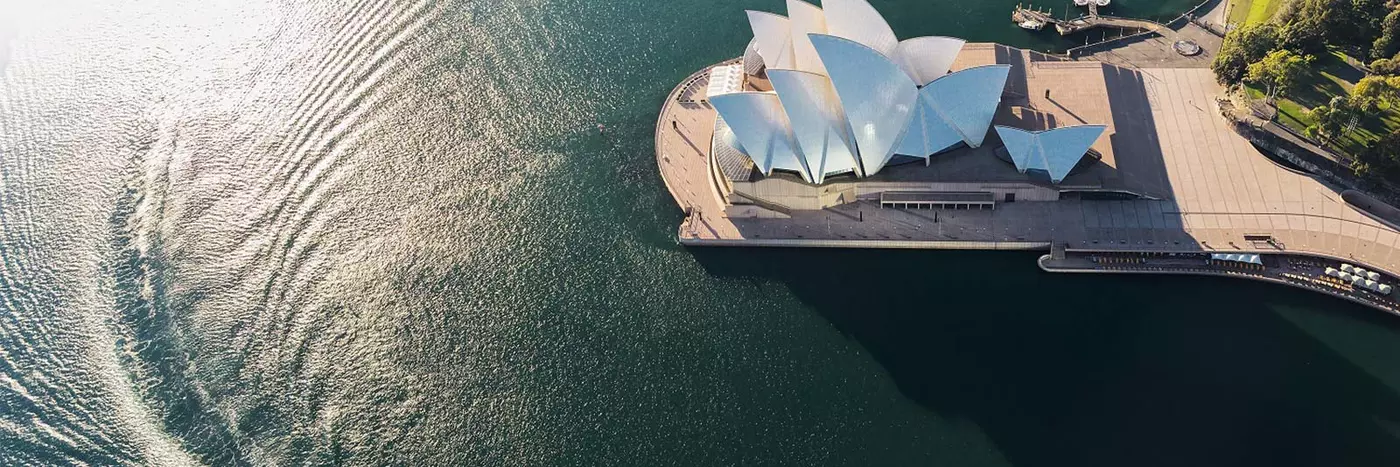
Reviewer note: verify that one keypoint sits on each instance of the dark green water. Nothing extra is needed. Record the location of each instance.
(382, 233)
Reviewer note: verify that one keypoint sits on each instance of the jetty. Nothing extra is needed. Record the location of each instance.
(1030, 17)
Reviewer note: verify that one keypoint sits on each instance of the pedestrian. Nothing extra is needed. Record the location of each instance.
(1047, 93)
(674, 126)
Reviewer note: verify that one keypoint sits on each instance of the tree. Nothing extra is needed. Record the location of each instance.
(1243, 46)
(1361, 24)
(1389, 42)
(1385, 67)
(1307, 27)
(1380, 159)
(1278, 72)
(1333, 120)
(1374, 92)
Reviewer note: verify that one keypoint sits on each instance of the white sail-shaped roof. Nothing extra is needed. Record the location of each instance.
(762, 128)
(806, 18)
(774, 36)
(928, 133)
(876, 94)
(1021, 145)
(858, 21)
(927, 58)
(1064, 147)
(1054, 151)
(968, 99)
(818, 122)
(954, 108)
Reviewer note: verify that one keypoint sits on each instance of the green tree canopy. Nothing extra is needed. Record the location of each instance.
(1243, 46)
(1385, 67)
(1278, 71)
(1376, 91)
(1381, 159)
(1304, 25)
(1332, 119)
(1389, 41)
(1307, 27)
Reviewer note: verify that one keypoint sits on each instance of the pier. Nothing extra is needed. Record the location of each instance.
(1028, 16)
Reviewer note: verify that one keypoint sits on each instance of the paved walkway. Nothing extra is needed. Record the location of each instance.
(683, 134)
(1155, 49)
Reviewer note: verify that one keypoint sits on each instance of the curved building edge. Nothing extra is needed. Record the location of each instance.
(672, 99)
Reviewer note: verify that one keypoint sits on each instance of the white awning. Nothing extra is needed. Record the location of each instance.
(725, 80)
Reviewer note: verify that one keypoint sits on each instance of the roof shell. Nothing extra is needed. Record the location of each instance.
(928, 133)
(773, 34)
(818, 122)
(927, 58)
(1054, 151)
(877, 95)
(762, 128)
(858, 21)
(806, 18)
(968, 99)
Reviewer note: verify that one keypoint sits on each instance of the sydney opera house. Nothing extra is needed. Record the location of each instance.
(829, 131)
(832, 91)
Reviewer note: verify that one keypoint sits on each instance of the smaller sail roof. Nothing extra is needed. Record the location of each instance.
(1054, 151)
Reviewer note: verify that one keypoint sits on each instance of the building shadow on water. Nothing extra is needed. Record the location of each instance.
(1096, 370)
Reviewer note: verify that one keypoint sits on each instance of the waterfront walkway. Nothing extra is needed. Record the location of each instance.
(683, 133)
(1154, 48)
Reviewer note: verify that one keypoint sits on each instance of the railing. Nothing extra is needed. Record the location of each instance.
(765, 204)
(1188, 17)
(1086, 49)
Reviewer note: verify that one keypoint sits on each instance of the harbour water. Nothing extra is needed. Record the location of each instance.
(388, 232)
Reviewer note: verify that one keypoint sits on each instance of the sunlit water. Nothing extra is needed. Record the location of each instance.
(388, 232)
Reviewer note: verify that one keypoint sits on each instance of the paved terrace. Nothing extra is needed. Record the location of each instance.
(1153, 49)
(1166, 139)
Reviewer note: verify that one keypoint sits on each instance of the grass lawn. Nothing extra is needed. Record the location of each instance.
(1243, 12)
(1331, 76)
